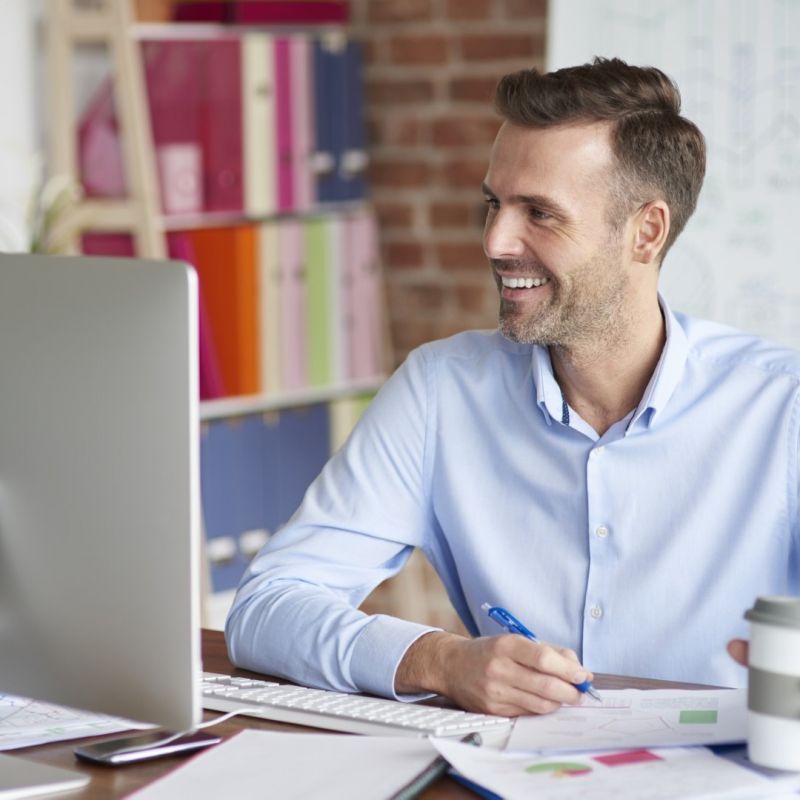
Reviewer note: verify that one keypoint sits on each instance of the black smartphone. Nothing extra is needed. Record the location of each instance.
(142, 747)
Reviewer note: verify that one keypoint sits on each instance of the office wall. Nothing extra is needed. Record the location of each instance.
(431, 69)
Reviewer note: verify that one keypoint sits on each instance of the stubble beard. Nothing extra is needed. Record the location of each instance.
(585, 310)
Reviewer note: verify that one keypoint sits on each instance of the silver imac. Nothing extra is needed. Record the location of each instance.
(99, 486)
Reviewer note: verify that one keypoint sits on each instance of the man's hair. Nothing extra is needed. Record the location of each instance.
(659, 153)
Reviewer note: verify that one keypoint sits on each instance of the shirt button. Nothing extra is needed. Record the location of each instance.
(596, 612)
(597, 451)
(602, 531)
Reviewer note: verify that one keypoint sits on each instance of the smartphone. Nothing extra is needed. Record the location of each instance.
(142, 747)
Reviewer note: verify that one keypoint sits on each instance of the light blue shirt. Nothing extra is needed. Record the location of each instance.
(640, 549)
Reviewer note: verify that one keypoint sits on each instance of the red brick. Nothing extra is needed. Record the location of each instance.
(459, 131)
(419, 49)
(398, 129)
(425, 297)
(457, 215)
(461, 255)
(399, 10)
(471, 89)
(468, 9)
(403, 255)
(465, 173)
(407, 336)
(404, 90)
(398, 174)
(499, 46)
(394, 215)
(526, 9)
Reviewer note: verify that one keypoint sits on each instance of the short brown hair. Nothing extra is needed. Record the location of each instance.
(660, 153)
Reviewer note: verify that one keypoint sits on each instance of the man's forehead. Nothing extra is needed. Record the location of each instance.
(577, 153)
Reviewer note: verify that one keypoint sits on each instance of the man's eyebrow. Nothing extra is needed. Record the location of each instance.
(540, 201)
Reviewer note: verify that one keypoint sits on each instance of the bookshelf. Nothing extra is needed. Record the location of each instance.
(299, 415)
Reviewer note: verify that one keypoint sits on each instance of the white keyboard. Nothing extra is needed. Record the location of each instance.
(351, 713)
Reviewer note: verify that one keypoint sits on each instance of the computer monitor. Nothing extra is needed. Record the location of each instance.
(99, 487)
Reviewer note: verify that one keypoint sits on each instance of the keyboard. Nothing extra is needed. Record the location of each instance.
(352, 713)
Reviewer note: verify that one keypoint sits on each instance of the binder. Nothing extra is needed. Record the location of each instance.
(303, 435)
(269, 305)
(174, 82)
(222, 115)
(319, 308)
(259, 125)
(226, 262)
(285, 128)
(223, 501)
(353, 158)
(366, 331)
(300, 54)
(293, 302)
(329, 78)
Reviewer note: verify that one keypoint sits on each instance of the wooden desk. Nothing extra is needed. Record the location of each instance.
(113, 782)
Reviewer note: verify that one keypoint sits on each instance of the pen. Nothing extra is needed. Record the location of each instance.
(507, 621)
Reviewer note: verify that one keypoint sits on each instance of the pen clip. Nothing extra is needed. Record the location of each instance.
(508, 621)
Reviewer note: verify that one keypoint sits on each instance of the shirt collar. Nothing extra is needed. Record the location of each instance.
(662, 384)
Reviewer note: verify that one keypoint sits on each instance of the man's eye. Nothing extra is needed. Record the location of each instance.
(492, 202)
(538, 214)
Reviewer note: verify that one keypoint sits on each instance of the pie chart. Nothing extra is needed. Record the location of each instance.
(560, 769)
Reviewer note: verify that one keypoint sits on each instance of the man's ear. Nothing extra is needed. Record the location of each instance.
(650, 230)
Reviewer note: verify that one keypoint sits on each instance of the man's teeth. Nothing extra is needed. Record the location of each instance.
(523, 283)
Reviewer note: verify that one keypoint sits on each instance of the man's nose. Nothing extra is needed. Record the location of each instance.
(502, 235)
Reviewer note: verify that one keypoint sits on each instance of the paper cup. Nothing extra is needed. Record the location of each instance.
(773, 685)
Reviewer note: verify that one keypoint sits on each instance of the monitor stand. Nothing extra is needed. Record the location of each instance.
(22, 778)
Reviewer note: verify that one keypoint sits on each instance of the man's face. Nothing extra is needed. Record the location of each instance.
(557, 261)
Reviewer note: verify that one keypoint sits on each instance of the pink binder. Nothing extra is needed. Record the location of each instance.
(302, 99)
(293, 333)
(364, 350)
(222, 130)
(285, 130)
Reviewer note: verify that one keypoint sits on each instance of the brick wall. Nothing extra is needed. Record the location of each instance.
(431, 67)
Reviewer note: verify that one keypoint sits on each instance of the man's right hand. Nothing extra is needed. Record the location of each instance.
(507, 675)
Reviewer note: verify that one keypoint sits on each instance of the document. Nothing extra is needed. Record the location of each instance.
(25, 722)
(296, 766)
(643, 774)
(631, 718)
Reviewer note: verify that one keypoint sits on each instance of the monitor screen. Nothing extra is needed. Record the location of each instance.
(99, 496)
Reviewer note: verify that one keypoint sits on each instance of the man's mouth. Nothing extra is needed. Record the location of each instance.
(522, 283)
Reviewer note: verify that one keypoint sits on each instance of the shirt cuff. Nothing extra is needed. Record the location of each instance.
(378, 652)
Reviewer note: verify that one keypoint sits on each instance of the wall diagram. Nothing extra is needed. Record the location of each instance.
(737, 63)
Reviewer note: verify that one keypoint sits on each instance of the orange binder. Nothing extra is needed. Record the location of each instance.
(227, 267)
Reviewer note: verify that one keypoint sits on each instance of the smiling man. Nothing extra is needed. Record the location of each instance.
(622, 477)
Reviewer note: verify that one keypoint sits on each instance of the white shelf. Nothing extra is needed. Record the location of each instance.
(254, 404)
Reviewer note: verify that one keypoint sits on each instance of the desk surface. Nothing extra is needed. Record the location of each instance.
(119, 781)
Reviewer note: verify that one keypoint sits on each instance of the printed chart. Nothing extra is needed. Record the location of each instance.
(26, 722)
(633, 719)
(641, 774)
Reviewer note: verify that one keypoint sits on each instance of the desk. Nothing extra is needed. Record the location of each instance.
(112, 782)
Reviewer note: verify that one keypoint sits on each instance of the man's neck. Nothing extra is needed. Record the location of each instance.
(604, 380)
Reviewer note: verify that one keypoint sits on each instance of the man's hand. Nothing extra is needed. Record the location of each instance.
(739, 650)
(507, 675)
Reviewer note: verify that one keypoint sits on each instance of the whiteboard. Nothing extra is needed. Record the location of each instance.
(737, 64)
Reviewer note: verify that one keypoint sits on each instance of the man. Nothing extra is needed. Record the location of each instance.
(622, 478)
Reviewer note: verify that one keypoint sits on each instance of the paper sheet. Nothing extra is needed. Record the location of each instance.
(658, 774)
(25, 722)
(637, 718)
(296, 766)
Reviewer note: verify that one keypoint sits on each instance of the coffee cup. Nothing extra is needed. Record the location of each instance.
(773, 684)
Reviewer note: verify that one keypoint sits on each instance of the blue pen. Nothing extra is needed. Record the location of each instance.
(507, 621)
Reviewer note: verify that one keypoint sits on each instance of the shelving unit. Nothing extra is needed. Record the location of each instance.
(71, 24)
